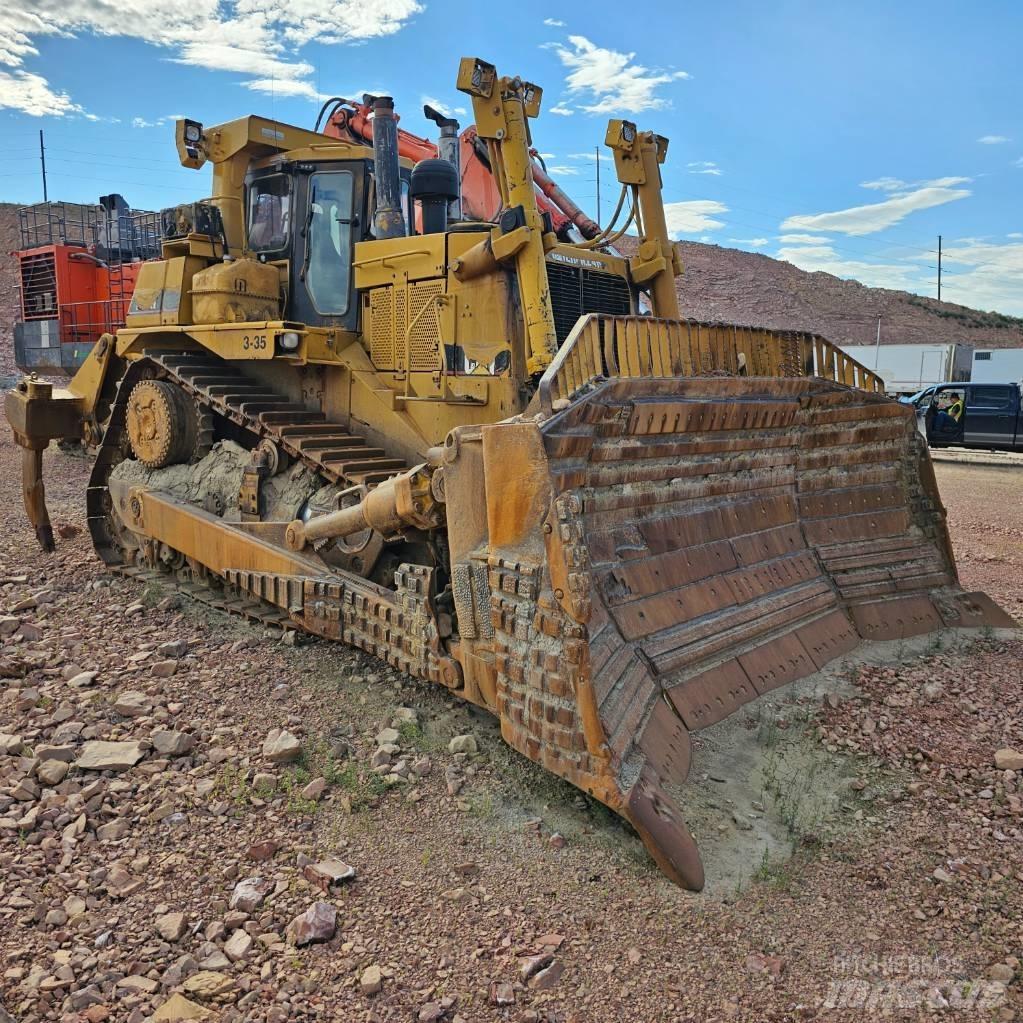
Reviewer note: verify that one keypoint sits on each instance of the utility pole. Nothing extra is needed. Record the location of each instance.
(596, 151)
(42, 161)
(939, 267)
(877, 346)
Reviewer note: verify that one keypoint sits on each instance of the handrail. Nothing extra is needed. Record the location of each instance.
(637, 346)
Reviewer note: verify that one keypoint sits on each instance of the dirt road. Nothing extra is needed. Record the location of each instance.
(119, 891)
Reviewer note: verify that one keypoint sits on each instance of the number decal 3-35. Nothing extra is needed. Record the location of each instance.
(254, 341)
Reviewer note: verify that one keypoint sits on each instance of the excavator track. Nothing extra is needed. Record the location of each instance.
(327, 448)
(228, 599)
(221, 388)
(397, 625)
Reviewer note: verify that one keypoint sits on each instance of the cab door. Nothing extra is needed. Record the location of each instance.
(941, 428)
(990, 416)
(330, 200)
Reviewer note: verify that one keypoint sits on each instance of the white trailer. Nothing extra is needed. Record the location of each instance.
(906, 369)
(997, 366)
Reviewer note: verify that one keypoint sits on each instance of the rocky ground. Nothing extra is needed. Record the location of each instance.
(199, 820)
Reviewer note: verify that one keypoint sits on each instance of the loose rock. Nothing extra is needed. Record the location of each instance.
(317, 923)
(249, 894)
(173, 744)
(178, 1007)
(109, 756)
(371, 980)
(463, 744)
(133, 704)
(1008, 760)
(281, 747)
(171, 926)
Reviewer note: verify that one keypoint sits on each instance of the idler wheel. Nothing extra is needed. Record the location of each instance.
(162, 422)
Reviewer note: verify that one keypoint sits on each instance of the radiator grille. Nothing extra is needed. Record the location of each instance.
(381, 327)
(391, 310)
(424, 339)
(575, 291)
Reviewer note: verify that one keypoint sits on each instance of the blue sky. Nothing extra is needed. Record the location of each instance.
(843, 137)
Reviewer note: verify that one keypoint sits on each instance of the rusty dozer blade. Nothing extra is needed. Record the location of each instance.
(663, 551)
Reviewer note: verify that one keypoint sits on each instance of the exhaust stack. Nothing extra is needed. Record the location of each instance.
(388, 221)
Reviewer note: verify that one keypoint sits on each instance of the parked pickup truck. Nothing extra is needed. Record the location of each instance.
(970, 415)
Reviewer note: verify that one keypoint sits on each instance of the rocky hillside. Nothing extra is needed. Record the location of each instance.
(732, 285)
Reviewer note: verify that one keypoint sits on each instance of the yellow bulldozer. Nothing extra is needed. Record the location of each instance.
(495, 459)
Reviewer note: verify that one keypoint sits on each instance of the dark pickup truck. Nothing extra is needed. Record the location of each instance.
(971, 415)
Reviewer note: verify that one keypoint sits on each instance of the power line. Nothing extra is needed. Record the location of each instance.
(141, 184)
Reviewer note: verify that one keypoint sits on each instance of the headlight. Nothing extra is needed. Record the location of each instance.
(193, 131)
(289, 340)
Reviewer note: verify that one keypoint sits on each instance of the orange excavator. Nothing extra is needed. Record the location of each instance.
(480, 196)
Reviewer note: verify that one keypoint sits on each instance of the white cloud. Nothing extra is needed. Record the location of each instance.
(553, 22)
(904, 276)
(562, 171)
(985, 275)
(561, 110)
(609, 80)
(1015, 234)
(31, 94)
(257, 38)
(598, 154)
(859, 220)
(884, 184)
(802, 239)
(704, 167)
(693, 216)
(247, 56)
(753, 243)
(993, 140)
(285, 87)
(141, 122)
(445, 108)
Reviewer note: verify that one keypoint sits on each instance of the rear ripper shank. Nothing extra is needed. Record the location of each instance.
(465, 449)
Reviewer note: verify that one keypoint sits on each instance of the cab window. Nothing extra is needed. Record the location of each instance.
(270, 213)
(990, 398)
(329, 241)
(922, 398)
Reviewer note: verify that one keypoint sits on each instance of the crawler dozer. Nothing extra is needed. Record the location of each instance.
(498, 461)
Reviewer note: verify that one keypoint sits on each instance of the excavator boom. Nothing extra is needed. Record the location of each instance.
(480, 197)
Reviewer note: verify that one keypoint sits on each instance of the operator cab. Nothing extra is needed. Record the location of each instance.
(308, 215)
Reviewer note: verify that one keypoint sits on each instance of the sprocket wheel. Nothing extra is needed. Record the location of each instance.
(163, 424)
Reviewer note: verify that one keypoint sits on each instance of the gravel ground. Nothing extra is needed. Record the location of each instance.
(483, 889)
